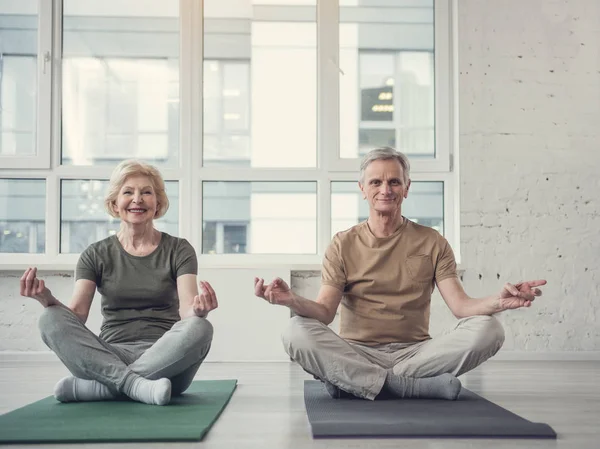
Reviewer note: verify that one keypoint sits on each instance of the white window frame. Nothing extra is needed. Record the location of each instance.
(41, 158)
(190, 174)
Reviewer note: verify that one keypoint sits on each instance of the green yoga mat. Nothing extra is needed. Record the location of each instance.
(187, 418)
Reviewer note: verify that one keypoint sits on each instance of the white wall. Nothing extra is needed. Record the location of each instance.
(529, 115)
(529, 110)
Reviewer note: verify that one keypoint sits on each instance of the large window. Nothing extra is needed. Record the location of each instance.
(397, 102)
(260, 83)
(120, 82)
(18, 72)
(260, 217)
(22, 215)
(227, 137)
(257, 113)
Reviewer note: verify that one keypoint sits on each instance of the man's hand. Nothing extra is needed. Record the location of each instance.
(277, 292)
(35, 288)
(519, 295)
(205, 301)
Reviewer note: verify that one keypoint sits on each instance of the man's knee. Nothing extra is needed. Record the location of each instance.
(298, 335)
(489, 334)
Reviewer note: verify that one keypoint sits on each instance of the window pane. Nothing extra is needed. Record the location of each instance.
(260, 83)
(259, 217)
(85, 221)
(387, 55)
(120, 94)
(424, 205)
(18, 86)
(22, 215)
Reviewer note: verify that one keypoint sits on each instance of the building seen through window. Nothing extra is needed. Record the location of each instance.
(120, 98)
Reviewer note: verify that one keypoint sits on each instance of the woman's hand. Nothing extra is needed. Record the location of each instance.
(205, 301)
(35, 288)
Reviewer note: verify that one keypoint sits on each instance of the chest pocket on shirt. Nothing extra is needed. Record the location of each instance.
(420, 267)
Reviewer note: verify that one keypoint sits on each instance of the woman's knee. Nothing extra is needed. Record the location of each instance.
(51, 322)
(198, 330)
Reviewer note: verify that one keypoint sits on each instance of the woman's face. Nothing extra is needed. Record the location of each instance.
(136, 202)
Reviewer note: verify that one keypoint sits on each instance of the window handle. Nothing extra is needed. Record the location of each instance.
(47, 59)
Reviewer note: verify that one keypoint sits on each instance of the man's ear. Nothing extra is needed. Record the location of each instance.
(407, 189)
(360, 186)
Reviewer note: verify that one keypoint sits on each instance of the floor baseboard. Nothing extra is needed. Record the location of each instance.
(556, 356)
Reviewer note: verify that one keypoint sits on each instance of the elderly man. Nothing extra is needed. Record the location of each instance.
(383, 272)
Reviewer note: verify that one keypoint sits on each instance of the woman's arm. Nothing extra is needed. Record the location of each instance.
(82, 298)
(81, 301)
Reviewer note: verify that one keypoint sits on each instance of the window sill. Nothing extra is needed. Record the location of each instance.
(69, 267)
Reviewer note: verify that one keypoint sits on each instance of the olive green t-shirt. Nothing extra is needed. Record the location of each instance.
(139, 294)
(387, 282)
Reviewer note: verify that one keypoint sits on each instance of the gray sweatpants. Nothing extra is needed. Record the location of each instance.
(361, 370)
(176, 355)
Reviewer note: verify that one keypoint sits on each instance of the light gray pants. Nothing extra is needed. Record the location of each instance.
(176, 355)
(361, 370)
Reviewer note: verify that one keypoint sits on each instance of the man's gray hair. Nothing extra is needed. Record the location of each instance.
(385, 153)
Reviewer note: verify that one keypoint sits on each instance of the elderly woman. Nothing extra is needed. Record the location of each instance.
(154, 334)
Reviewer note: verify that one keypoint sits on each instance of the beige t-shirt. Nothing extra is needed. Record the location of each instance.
(387, 282)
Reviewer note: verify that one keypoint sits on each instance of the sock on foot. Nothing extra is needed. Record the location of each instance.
(73, 389)
(153, 392)
(444, 386)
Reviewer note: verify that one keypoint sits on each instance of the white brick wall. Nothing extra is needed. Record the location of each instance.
(530, 127)
(529, 164)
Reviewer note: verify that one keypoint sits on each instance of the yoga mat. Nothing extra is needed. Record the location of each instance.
(469, 416)
(187, 418)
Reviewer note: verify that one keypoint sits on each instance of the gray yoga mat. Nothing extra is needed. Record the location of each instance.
(469, 416)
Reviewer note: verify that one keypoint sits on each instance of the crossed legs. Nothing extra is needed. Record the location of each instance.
(169, 364)
(363, 371)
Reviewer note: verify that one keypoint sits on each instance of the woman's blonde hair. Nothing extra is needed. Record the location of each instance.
(132, 167)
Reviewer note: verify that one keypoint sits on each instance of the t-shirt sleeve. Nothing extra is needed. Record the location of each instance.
(186, 261)
(86, 266)
(333, 272)
(446, 264)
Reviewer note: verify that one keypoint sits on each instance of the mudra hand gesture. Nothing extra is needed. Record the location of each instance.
(205, 301)
(519, 295)
(35, 288)
(277, 292)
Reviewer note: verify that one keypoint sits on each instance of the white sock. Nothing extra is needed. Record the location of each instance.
(73, 389)
(153, 392)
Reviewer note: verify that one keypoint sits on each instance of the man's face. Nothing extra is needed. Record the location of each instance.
(383, 186)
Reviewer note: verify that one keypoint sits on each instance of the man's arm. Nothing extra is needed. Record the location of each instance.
(511, 297)
(323, 309)
(278, 292)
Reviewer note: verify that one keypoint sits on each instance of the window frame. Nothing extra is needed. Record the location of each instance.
(190, 174)
(44, 73)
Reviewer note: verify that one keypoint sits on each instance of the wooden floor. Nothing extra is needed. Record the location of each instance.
(267, 409)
